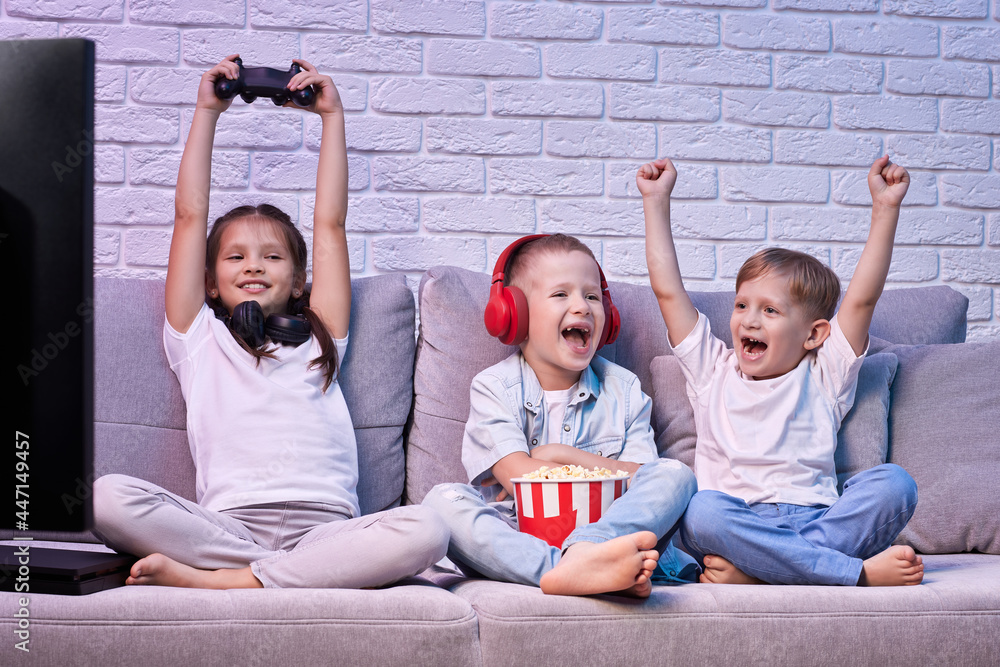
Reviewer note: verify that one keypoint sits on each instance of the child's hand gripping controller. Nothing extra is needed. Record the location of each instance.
(254, 82)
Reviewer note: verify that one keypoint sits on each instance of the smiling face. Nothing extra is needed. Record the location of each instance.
(254, 263)
(771, 332)
(565, 316)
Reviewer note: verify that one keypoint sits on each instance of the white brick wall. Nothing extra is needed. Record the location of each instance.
(472, 122)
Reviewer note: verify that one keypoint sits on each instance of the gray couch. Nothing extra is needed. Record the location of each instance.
(926, 400)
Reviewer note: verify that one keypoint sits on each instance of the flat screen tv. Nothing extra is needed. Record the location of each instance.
(46, 248)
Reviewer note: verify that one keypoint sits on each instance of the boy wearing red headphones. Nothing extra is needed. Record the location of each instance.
(553, 403)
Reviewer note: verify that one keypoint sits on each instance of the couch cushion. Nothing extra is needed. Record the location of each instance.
(921, 315)
(861, 443)
(945, 431)
(139, 416)
(139, 411)
(952, 618)
(863, 439)
(673, 416)
(453, 346)
(157, 626)
(377, 380)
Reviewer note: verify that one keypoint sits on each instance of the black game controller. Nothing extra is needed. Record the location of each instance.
(254, 82)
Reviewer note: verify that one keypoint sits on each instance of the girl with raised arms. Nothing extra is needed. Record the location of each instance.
(269, 430)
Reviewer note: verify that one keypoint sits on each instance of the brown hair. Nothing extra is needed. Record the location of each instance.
(327, 360)
(521, 259)
(811, 283)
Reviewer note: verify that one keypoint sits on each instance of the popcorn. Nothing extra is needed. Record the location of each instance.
(574, 472)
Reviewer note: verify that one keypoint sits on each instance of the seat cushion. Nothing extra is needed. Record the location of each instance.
(156, 626)
(952, 618)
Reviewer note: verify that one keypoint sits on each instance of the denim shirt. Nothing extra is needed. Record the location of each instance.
(608, 416)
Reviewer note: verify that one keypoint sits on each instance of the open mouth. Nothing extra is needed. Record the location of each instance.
(753, 349)
(578, 338)
(253, 286)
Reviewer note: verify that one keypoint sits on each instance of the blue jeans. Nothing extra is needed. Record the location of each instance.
(795, 544)
(484, 535)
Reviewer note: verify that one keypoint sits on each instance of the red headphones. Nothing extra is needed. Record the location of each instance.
(506, 315)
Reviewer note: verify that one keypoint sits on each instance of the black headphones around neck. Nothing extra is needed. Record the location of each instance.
(248, 322)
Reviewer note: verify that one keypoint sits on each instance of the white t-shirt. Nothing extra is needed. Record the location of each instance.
(262, 434)
(768, 441)
(556, 402)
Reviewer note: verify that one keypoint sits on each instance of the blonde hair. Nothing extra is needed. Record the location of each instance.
(811, 283)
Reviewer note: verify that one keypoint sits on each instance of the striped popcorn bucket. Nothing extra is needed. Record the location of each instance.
(551, 508)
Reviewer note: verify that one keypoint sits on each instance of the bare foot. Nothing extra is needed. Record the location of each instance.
(640, 591)
(160, 570)
(718, 570)
(898, 565)
(622, 565)
(650, 559)
(643, 583)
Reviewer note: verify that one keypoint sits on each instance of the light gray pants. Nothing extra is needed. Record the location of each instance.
(286, 545)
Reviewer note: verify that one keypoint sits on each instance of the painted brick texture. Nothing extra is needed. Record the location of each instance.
(471, 122)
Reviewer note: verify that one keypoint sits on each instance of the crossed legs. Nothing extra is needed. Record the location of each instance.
(847, 543)
(307, 545)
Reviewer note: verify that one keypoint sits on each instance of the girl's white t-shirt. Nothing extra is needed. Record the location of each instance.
(262, 433)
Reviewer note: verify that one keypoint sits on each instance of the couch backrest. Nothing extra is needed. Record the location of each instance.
(944, 429)
(140, 417)
(453, 346)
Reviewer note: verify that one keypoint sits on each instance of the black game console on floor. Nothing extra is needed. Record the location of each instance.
(29, 569)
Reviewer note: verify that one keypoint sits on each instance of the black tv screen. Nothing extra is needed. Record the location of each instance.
(46, 247)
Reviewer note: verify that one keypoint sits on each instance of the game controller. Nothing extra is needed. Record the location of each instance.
(254, 82)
